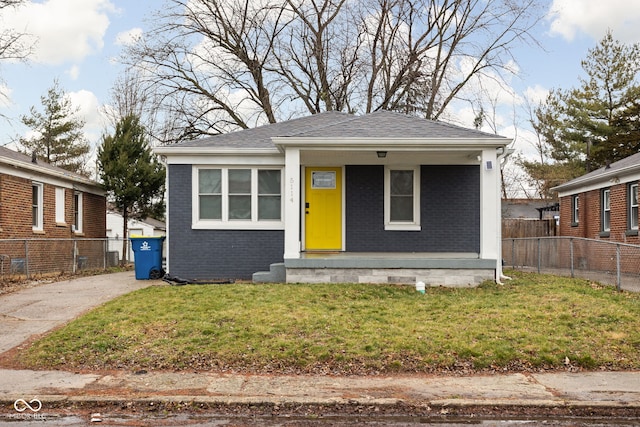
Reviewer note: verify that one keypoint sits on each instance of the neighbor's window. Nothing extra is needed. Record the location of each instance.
(77, 212)
(402, 204)
(632, 199)
(606, 210)
(575, 210)
(238, 198)
(60, 202)
(36, 206)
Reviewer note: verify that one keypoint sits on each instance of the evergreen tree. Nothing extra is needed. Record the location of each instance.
(58, 138)
(587, 127)
(131, 174)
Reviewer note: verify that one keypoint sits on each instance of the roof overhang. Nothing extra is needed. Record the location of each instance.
(77, 181)
(396, 144)
(354, 147)
(169, 150)
(604, 179)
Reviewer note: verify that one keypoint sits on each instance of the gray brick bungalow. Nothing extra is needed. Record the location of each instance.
(379, 198)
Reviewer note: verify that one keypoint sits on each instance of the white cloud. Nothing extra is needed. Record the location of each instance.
(89, 110)
(64, 30)
(73, 72)
(569, 18)
(127, 38)
(536, 94)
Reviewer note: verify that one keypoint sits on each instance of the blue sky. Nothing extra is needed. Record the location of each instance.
(79, 39)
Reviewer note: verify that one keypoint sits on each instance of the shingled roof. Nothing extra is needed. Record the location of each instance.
(336, 125)
(627, 165)
(19, 160)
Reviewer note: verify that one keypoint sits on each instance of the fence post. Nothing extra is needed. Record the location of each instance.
(26, 257)
(618, 273)
(105, 248)
(513, 253)
(74, 256)
(539, 256)
(571, 256)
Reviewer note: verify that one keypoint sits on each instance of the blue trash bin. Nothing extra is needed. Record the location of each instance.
(147, 255)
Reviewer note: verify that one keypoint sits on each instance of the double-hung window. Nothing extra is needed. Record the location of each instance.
(37, 210)
(575, 210)
(606, 210)
(60, 202)
(402, 198)
(632, 206)
(237, 198)
(77, 212)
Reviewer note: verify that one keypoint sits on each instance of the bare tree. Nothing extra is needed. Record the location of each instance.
(131, 97)
(14, 45)
(228, 64)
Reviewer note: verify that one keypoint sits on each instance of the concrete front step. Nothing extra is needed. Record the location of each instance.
(277, 274)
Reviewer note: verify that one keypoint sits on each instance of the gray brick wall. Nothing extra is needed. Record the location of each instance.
(213, 254)
(450, 211)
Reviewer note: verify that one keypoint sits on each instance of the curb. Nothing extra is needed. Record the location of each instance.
(387, 406)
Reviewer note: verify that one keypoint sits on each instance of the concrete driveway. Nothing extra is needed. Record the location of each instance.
(38, 309)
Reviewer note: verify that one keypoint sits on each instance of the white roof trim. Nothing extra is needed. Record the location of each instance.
(58, 178)
(596, 181)
(391, 143)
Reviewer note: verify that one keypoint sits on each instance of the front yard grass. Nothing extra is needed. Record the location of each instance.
(533, 322)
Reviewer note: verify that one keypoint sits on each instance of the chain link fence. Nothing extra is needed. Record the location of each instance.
(29, 258)
(611, 263)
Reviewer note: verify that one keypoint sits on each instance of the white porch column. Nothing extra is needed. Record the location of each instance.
(490, 209)
(292, 203)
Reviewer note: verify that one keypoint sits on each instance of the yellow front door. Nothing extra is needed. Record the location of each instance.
(323, 208)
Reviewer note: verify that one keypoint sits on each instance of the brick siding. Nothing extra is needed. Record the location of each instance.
(449, 208)
(590, 215)
(16, 207)
(213, 254)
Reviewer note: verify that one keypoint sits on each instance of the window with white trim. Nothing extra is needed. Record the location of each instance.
(575, 210)
(77, 212)
(60, 220)
(237, 198)
(402, 198)
(606, 210)
(632, 201)
(37, 211)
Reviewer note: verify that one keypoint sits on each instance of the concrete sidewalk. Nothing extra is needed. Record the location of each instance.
(557, 390)
(36, 310)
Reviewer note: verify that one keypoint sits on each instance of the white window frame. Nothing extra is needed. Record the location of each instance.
(77, 216)
(633, 208)
(402, 225)
(575, 206)
(38, 221)
(606, 210)
(60, 206)
(235, 224)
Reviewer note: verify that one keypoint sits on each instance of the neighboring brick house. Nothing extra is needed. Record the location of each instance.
(38, 200)
(602, 204)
